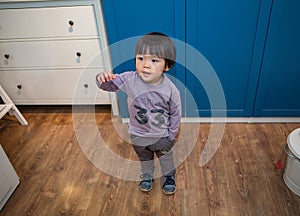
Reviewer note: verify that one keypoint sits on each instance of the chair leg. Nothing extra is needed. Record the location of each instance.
(13, 110)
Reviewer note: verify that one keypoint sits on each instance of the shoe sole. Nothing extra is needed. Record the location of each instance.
(169, 193)
(146, 190)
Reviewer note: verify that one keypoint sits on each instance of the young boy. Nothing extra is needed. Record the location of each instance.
(154, 106)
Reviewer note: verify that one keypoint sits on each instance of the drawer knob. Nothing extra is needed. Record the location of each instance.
(71, 23)
(19, 86)
(86, 85)
(6, 56)
(78, 54)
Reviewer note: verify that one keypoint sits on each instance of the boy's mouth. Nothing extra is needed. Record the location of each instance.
(146, 73)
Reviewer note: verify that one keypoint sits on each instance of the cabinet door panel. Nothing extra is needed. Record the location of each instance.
(278, 90)
(224, 33)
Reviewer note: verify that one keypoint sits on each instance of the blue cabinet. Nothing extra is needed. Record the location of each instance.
(251, 47)
(278, 92)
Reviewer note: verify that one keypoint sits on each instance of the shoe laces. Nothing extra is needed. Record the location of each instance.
(169, 181)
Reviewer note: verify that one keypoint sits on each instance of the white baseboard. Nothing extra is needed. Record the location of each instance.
(235, 120)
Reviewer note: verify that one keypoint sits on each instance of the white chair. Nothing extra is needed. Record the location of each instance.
(9, 107)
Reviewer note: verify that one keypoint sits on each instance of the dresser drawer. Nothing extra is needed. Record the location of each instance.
(54, 54)
(76, 21)
(53, 87)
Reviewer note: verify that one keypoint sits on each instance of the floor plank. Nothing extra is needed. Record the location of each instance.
(57, 177)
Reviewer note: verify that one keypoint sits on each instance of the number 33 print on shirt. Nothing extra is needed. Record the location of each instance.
(142, 118)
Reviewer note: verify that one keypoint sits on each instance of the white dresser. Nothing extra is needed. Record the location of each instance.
(51, 51)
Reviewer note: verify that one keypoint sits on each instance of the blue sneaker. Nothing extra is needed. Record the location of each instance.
(169, 186)
(146, 182)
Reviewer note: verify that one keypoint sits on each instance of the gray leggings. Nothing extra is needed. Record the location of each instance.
(145, 148)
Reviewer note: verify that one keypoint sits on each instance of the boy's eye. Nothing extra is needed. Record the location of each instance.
(154, 60)
(140, 58)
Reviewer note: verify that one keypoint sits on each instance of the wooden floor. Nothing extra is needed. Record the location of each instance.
(56, 178)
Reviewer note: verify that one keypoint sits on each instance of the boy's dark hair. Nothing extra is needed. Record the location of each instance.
(159, 44)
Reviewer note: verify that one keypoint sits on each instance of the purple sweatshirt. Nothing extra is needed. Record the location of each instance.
(155, 110)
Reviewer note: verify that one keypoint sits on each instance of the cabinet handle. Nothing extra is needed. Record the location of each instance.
(19, 86)
(71, 23)
(86, 85)
(78, 54)
(6, 56)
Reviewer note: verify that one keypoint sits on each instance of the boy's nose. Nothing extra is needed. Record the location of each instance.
(146, 64)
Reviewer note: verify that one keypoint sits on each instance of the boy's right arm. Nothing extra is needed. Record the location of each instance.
(104, 81)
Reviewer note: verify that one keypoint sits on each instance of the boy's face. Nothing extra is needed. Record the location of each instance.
(150, 68)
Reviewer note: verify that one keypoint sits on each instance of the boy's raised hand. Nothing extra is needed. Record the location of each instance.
(106, 76)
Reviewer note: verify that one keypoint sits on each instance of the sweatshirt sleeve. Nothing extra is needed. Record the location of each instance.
(120, 83)
(107, 86)
(175, 114)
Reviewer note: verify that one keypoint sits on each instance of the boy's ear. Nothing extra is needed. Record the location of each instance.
(167, 68)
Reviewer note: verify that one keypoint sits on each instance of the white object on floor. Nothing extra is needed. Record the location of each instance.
(292, 170)
(9, 179)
